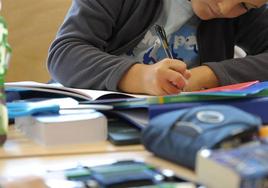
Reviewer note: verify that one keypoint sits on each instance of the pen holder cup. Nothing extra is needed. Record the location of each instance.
(178, 135)
(5, 51)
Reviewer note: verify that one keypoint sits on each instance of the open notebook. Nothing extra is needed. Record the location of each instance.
(58, 89)
(91, 95)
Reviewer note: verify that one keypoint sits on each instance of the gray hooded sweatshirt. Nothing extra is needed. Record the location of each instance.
(88, 47)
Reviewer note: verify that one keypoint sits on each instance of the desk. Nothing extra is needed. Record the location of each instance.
(20, 156)
(17, 145)
(39, 165)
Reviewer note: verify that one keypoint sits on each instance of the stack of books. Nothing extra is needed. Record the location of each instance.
(251, 97)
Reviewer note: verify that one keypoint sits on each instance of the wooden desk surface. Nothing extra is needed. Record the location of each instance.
(20, 156)
(39, 165)
(17, 145)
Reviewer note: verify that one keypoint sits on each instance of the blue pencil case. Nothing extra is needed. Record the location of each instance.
(178, 135)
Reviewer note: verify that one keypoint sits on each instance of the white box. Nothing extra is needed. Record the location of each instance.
(84, 126)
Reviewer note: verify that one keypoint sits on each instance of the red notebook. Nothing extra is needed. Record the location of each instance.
(231, 87)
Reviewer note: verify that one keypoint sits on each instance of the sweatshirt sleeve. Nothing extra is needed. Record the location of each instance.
(252, 36)
(78, 57)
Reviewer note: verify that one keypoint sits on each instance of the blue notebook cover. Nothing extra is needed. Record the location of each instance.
(257, 106)
(140, 115)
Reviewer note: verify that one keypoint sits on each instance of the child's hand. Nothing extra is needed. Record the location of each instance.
(202, 77)
(163, 78)
(166, 77)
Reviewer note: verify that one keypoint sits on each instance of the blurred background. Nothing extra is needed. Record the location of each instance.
(32, 26)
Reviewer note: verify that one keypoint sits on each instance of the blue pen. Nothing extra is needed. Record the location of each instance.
(163, 38)
(18, 109)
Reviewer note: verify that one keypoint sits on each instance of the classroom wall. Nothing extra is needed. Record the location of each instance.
(32, 26)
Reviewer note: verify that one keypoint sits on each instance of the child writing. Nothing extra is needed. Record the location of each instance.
(112, 45)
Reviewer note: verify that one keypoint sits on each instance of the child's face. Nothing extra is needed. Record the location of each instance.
(209, 9)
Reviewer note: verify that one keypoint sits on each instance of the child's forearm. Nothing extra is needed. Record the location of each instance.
(133, 81)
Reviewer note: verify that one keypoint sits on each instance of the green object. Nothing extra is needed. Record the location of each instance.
(77, 173)
(189, 97)
(5, 52)
(120, 169)
(5, 49)
(172, 185)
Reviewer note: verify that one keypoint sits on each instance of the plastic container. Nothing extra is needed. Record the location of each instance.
(5, 51)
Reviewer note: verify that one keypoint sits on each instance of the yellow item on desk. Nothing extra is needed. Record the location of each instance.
(263, 132)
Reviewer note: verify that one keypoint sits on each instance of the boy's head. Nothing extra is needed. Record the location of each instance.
(209, 9)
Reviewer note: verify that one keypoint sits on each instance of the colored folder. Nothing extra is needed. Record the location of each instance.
(140, 115)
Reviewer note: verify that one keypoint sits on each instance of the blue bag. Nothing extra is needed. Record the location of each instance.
(178, 135)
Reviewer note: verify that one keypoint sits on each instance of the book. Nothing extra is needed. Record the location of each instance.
(243, 90)
(253, 105)
(81, 127)
(140, 115)
(39, 89)
(245, 166)
(253, 99)
(233, 87)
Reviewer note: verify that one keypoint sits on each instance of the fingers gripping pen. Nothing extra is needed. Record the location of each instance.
(160, 31)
